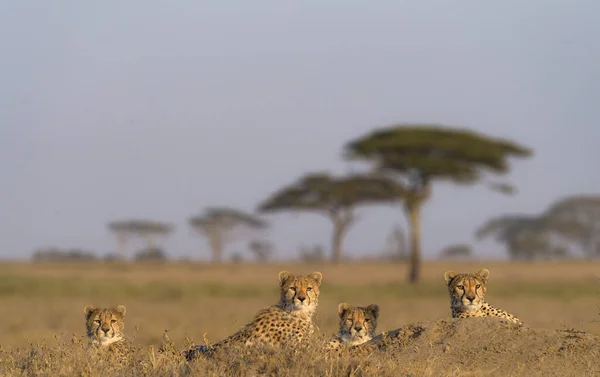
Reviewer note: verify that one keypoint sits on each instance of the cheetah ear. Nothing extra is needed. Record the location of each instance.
(484, 273)
(342, 308)
(317, 276)
(88, 311)
(121, 309)
(448, 276)
(283, 276)
(374, 309)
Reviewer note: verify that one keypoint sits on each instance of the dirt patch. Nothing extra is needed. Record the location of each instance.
(491, 346)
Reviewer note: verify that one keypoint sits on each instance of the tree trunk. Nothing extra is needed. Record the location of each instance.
(216, 246)
(150, 244)
(414, 219)
(336, 242)
(342, 219)
(122, 241)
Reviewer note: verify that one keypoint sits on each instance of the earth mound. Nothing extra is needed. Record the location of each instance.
(490, 346)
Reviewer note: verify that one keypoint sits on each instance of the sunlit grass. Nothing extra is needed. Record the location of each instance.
(40, 302)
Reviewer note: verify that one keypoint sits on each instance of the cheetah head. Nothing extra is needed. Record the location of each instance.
(357, 324)
(104, 326)
(467, 290)
(299, 293)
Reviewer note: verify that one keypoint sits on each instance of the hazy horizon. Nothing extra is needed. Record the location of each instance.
(118, 110)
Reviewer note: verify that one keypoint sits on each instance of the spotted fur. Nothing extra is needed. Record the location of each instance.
(289, 322)
(105, 325)
(467, 296)
(357, 325)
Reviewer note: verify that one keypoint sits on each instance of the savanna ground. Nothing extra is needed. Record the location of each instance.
(42, 319)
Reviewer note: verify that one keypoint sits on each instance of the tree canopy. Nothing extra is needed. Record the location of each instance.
(333, 197)
(418, 154)
(140, 226)
(146, 229)
(525, 236)
(571, 220)
(221, 225)
(429, 151)
(457, 251)
(577, 218)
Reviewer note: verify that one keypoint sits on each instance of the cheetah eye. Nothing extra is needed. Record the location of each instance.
(349, 320)
(113, 320)
(478, 286)
(97, 321)
(293, 289)
(309, 288)
(461, 287)
(367, 320)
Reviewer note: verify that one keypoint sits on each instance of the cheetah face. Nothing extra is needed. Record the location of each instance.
(105, 326)
(298, 292)
(467, 290)
(357, 324)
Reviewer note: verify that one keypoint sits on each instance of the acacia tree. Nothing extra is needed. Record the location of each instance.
(148, 230)
(396, 242)
(463, 251)
(419, 154)
(333, 197)
(525, 236)
(528, 237)
(262, 249)
(577, 218)
(222, 225)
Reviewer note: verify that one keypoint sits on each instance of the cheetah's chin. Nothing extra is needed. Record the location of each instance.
(471, 307)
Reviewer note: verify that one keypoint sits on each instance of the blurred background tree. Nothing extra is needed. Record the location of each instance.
(223, 225)
(147, 230)
(416, 155)
(336, 198)
(263, 250)
(458, 251)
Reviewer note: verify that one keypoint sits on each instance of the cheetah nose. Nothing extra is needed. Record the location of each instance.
(357, 328)
(301, 298)
(105, 329)
(471, 298)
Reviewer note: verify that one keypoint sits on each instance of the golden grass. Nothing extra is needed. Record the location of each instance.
(41, 302)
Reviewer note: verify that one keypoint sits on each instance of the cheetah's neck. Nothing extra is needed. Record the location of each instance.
(458, 309)
(107, 342)
(305, 312)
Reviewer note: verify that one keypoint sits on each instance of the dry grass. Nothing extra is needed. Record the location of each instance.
(42, 309)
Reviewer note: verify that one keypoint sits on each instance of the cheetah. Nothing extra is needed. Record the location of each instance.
(289, 322)
(357, 325)
(467, 291)
(105, 325)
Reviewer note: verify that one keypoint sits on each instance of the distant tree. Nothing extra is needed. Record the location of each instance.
(237, 258)
(312, 254)
(333, 197)
(222, 225)
(577, 218)
(262, 250)
(55, 254)
(396, 244)
(151, 255)
(527, 237)
(460, 251)
(148, 230)
(418, 155)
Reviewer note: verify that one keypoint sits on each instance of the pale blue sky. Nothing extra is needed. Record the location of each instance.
(118, 109)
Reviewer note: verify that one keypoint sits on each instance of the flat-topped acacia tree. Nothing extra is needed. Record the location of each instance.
(333, 197)
(417, 155)
(525, 236)
(148, 230)
(577, 218)
(221, 225)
